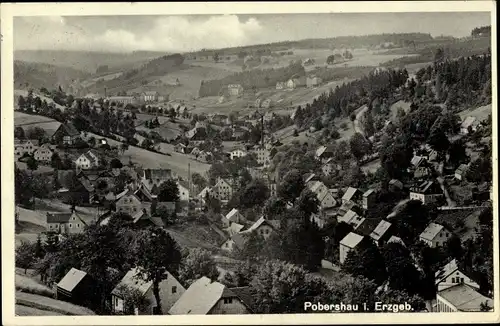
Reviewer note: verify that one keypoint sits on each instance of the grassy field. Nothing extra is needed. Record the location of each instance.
(177, 162)
(371, 167)
(32, 312)
(27, 284)
(51, 305)
(395, 107)
(24, 93)
(481, 113)
(27, 121)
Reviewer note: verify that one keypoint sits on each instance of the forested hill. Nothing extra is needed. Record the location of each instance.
(37, 75)
(402, 39)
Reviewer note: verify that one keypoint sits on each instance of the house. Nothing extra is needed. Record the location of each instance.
(170, 291)
(43, 154)
(150, 96)
(195, 151)
(369, 198)
(155, 177)
(348, 243)
(427, 192)
(329, 166)
(86, 161)
(262, 227)
(180, 148)
(205, 157)
(66, 134)
(124, 100)
(222, 99)
(422, 172)
(352, 218)
(461, 171)
(313, 81)
(382, 232)
(281, 85)
(236, 241)
(222, 190)
(207, 297)
(470, 124)
(196, 134)
(323, 194)
(417, 161)
(451, 275)
(395, 184)
(351, 194)
(203, 194)
(461, 298)
(234, 216)
(22, 147)
(65, 223)
(237, 152)
(262, 154)
(235, 89)
(396, 239)
(234, 228)
(323, 153)
(435, 235)
(293, 83)
(183, 190)
(76, 287)
(258, 102)
(128, 202)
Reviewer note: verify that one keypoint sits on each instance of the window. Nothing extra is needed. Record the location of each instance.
(228, 300)
(453, 280)
(70, 226)
(50, 226)
(461, 280)
(134, 209)
(78, 225)
(174, 289)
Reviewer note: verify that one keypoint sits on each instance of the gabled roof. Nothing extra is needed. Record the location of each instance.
(469, 121)
(349, 217)
(153, 174)
(199, 298)
(379, 231)
(63, 217)
(446, 270)
(349, 194)
(134, 280)
(71, 279)
(351, 240)
(431, 231)
(69, 129)
(395, 239)
(464, 297)
(232, 214)
(261, 221)
(368, 192)
(417, 160)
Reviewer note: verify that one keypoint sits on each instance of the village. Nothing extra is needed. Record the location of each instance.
(246, 201)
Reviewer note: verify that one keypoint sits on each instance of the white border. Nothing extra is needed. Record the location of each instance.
(71, 9)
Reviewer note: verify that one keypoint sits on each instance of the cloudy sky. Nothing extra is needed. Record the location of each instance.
(187, 33)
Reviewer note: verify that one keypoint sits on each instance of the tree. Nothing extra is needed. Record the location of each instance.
(292, 186)
(21, 102)
(366, 261)
(115, 164)
(359, 146)
(308, 203)
(216, 57)
(255, 193)
(198, 180)
(25, 255)
(32, 164)
(438, 140)
(166, 215)
(147, 143)
(454, 248)
(369, 124)
(402, 274)
(133, 298)
(457, 152)
(158, 254)
(168, 191)
(19, 133)
(196, 263)
(123, 147)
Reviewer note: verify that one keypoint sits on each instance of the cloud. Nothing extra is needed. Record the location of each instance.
(170, 33)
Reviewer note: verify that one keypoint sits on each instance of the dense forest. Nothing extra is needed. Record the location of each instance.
(37, 75)
(481, 31)
(253, 79)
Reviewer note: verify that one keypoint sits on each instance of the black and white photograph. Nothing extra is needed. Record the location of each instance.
(245, 163)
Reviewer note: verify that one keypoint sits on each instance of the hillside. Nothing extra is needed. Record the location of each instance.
(36, 75)
(85, 60)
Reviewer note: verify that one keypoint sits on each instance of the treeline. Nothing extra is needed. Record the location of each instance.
(481, 31)
(252, 79)
(343, 100)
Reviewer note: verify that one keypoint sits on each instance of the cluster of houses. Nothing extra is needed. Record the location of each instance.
(135, 99)
(299, 81)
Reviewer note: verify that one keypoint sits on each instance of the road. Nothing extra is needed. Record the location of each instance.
(451, 202)
(357, 121)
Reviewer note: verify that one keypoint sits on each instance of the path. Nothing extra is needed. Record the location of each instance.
(357, 121)
(451, 202)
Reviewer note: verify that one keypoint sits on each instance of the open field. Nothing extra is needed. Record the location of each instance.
(29, 285)
(177, 162)
(27, 121)
(42, 169)
(50, 305)
(481, 113)
(371, 167)
(395, 107)
(28, 311)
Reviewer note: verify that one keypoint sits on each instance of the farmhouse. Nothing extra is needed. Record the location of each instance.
(263, 227)
(183, 190)
(348, 243)
(234, 216)
(65, 223)
(207, 297)
(170, 291)
(323, 194)
(369, 198)
(204, 157)
(451, 275)
(150, 96)
(66, 134)
(382, 232)
(435, 235)
(155, 177)
(460, 298)
(296, 82)
(427, 192)
(235, 89)
(88, 160)
(469, 125)
(22, 147)
(43, 154)
(222, 190)
(128, 202)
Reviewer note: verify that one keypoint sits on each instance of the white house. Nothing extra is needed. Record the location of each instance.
(435, 235)
(450, 275)
(43, 153)
(88, 160)
(237, 152)
(236, 241)
(461, 171)
(183, 190)
(351, 194)
(170, 291)
(460, 298)
(222, 190)
(22, 147)
(263, 155)
(427, 192)
(263, 227)
(207, 297)
(234, 216)
(235, 89)
(325, 197)
(348, 243)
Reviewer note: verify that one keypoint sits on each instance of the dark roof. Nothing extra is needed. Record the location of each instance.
(58, 217)
(244, 293)
(71, 279)
(153, 174)
(69, 129)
